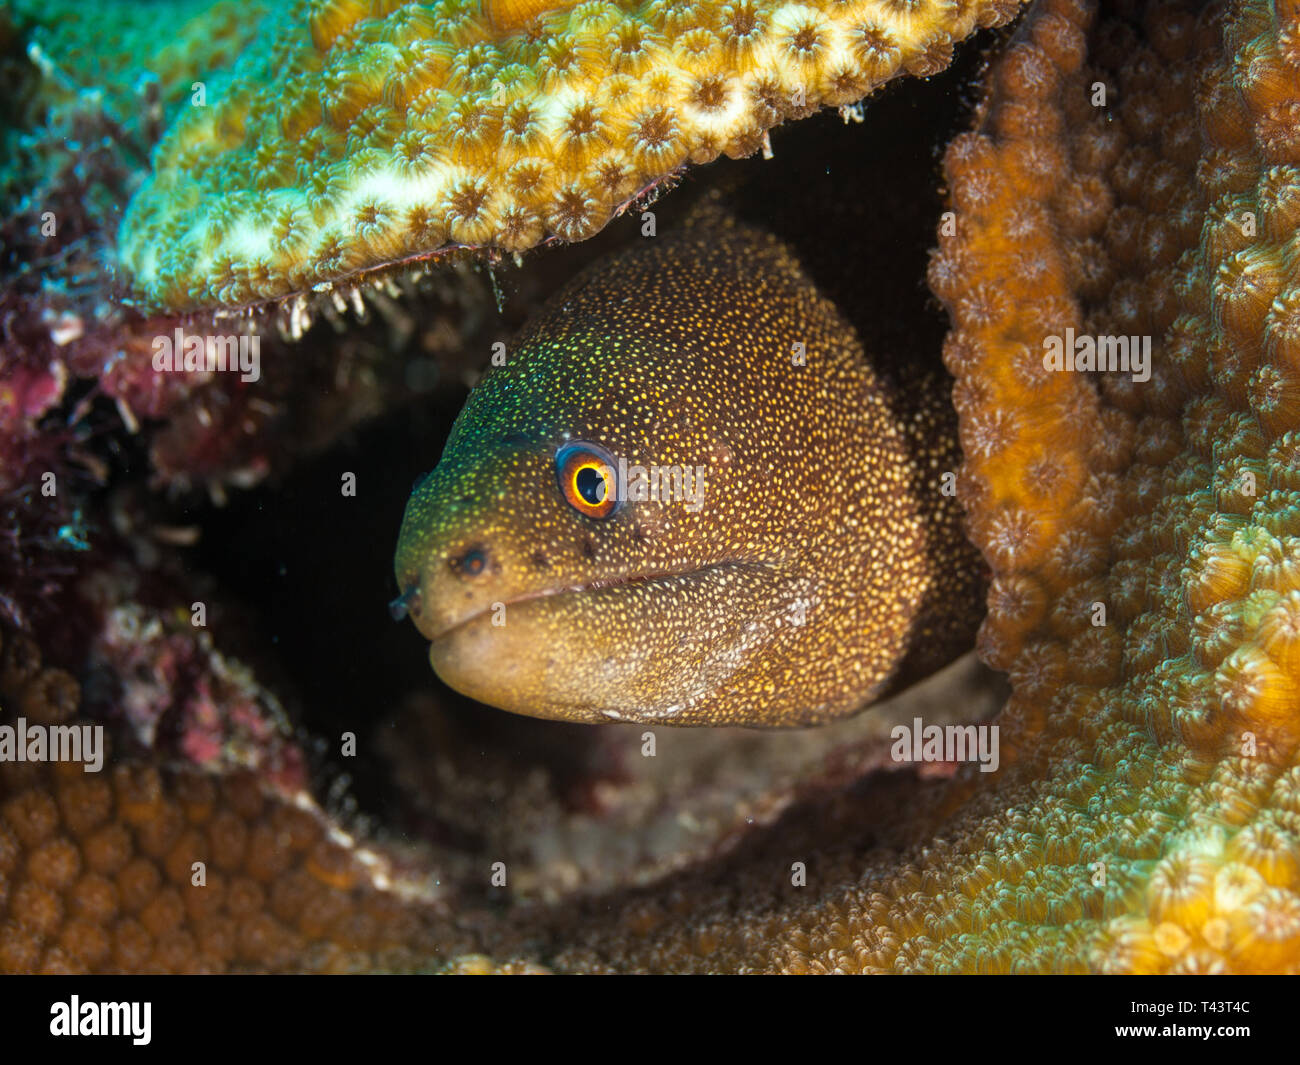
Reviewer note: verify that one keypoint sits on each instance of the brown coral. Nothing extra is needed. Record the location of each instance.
(141, 868)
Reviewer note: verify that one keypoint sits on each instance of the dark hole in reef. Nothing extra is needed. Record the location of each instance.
(316, 567)
(859, 202)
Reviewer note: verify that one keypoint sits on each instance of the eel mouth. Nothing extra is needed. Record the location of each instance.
(596, 585)
(576, 652)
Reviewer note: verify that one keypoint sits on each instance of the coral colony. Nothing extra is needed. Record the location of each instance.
(248, 274)
(358, 135)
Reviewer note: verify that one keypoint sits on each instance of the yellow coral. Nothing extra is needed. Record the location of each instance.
(357, 135)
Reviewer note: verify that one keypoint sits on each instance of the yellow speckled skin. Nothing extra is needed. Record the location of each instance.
(823, 565)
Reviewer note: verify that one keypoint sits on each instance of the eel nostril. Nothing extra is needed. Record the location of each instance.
(471, 562)
(406, 603)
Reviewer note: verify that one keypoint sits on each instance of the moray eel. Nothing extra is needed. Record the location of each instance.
(689, 497)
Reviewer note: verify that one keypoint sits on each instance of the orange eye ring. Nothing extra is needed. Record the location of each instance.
(587, 478)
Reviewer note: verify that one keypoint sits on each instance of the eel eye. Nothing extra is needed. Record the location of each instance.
(587, 479)
(472, 562)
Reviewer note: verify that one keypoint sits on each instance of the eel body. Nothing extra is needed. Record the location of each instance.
(689, 497)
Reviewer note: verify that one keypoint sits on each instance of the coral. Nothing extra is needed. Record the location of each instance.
(84, 121)
(145, 868)
(1167, 499)
(97, 870)
(174, 687)
(353, 136)
(1146, 817)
